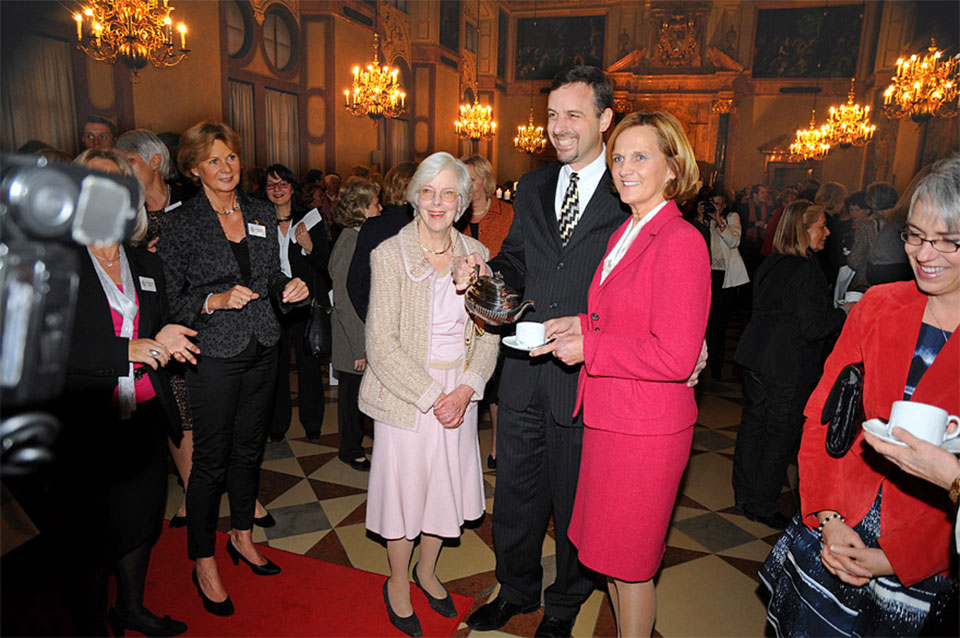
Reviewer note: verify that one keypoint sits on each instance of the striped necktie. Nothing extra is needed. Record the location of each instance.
(569, 210)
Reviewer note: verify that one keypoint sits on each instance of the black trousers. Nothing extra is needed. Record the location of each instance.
(722, 302)
(311, 398)
(350, 420)
(767, 440)
(230, 402)
(538, 462)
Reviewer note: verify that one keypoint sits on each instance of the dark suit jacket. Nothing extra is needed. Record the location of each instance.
(793, 316)
(312, 268)
(556, 277)
(374, 231)
(198, 260)
(98, 356)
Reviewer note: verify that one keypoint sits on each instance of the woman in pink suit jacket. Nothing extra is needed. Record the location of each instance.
(639, 342)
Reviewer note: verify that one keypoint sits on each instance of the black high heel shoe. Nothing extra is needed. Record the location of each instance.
(177, 521)
(146, 623)
(270, 569)
(265, 521)
(223, 608)
(443, 606)
(409, 625)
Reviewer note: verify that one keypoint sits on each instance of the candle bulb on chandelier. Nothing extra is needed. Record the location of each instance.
(168, 29)
(182, 28)
(79, 19)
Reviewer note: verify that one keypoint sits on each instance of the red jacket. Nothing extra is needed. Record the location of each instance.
(643, 330)
(882, 333)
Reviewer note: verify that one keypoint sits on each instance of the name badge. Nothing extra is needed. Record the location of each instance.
(257, 230)
(147, 284)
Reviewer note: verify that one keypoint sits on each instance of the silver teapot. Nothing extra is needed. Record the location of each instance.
(489, 299)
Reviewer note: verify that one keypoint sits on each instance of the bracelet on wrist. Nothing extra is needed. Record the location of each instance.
(955, 489)
(206, 305)
(827, 520)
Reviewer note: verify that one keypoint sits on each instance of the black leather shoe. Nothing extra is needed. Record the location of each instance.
(360, 466)
(497, 613)
(443, 606)
(551, 626)
(491, 462)
(223, 608)
(276, 438)
(177, 521)
(269, 569)
(265, 521)
(409, 625)
(143, 622)
(775, 521)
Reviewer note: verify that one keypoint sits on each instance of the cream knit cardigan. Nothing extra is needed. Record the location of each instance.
(396, 384)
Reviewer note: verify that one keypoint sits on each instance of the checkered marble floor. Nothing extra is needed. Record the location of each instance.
(708, 585)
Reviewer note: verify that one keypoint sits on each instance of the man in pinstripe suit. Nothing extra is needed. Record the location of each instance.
(564, 216)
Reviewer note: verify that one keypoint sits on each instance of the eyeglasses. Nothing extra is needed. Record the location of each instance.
(939, 245)
(276, 186)
(447, 195)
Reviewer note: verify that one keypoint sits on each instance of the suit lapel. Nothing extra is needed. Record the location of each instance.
(592, 215)
(639, 245)
(548, 194)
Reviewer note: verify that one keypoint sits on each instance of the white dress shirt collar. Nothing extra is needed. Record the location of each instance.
(587, 180)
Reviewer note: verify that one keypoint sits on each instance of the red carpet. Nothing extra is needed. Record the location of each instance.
(310, 597)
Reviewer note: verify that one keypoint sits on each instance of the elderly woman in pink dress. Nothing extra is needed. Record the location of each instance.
(426, 369)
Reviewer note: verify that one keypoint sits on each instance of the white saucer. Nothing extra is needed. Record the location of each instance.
(511, 342)
(878, 428)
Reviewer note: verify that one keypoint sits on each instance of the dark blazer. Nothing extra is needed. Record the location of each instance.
(793, 316)
(374, 231)
(312, 268)
(198, 260)
(556, 277)
(98, 356)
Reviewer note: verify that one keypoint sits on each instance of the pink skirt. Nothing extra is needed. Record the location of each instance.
(427, 480)
(625, 496)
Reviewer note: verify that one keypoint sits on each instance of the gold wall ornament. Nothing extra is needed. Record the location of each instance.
(923, 87)
(849, 124)
(135, 32)
(530, 138)
(811, 143)
(677, 44)
(376, 91)
(722, 105)
(622, 105)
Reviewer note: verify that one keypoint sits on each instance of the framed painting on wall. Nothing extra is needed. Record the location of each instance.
(554, 43)
(805, 42)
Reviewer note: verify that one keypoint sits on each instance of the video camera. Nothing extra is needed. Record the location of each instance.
(44, 207)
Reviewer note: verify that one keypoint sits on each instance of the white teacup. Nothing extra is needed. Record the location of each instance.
(927, 422)
(531, 334)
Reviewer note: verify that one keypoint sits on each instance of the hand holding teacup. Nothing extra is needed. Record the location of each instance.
(926, 422)
(566, 340)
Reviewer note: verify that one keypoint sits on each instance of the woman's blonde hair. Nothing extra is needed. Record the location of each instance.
(484, 169)
(126, 169)
(791, 237)
(355, 196)
(831, 196)
(195, 145)
(396, 182)
(674, 145)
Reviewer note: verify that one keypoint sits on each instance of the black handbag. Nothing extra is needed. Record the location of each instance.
(319, 341)
(843, 410)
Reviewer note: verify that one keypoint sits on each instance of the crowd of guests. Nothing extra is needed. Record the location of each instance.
(184, 335)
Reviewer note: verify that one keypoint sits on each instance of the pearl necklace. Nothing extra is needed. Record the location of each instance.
(236, 206)
(109, 262)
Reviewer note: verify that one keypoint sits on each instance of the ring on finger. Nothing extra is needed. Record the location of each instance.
(154, 353)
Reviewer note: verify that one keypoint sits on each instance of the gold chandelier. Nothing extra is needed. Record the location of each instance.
(476, 121)
(530, 138)
(376, 90)
(811, 143)
(849, 124)
(137, 32)
(923, 87)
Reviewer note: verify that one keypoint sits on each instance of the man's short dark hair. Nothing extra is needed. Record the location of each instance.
(592, 77)
(96, 119)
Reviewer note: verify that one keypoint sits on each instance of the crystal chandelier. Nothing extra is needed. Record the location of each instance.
(376, 91)
(137, 32)
(530, 138)
(811, 143)
(476, 121)
(849, 124)
(923, 87)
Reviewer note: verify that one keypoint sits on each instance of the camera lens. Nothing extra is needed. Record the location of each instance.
(42, 201)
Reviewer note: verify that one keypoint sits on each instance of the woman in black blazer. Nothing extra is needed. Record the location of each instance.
(222, 267)
(303, 253)
(118, 410)
(781, 351)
